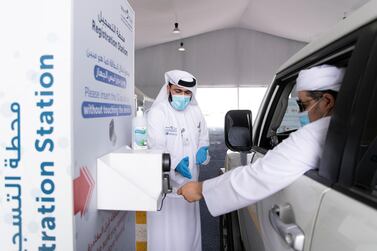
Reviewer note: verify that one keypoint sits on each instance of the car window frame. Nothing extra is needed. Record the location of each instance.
(358, 44)
(366, 94)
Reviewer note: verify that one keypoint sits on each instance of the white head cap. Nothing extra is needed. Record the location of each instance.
(180, 78)
(320, 78)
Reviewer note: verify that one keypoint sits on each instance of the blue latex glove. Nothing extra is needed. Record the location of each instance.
(201, 155)
(183, 168)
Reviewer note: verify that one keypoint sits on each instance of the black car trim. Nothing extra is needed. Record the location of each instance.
(339, 129)
(357, 194)
(357, 124)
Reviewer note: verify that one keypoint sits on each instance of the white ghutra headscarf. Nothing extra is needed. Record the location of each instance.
(179, 78)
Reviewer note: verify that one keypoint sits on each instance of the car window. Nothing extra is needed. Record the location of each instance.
(277, 128)
(290, 120)
(281, 114)
(285, 118)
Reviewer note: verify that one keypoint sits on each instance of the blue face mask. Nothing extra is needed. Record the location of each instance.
(304, 118)
(180, 102)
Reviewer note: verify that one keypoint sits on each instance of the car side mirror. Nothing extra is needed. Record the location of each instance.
(238, 130)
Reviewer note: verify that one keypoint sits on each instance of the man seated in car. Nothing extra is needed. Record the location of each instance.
(317, 89)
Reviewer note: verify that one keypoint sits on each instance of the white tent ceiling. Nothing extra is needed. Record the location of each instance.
(300, 20)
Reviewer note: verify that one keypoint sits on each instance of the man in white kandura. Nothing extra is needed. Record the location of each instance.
(177, 126)
(317, 89)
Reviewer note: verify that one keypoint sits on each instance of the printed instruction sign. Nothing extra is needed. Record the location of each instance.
(66, 98)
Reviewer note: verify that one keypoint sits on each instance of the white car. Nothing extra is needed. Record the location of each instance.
(335, 206)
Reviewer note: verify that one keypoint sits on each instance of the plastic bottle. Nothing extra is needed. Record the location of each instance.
(139, 130)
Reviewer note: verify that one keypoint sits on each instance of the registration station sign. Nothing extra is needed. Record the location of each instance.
(66, 98)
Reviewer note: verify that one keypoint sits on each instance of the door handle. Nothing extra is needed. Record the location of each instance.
(289, 232)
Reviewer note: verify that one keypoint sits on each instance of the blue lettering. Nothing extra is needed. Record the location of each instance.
(45, 143)
(43, 60)
(46, 83)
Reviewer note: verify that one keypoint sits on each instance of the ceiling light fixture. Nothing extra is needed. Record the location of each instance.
(176, 30)
(181, 48)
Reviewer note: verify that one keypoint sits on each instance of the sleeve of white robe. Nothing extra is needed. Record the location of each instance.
(157, 135)
(276, 170)
(156, 130)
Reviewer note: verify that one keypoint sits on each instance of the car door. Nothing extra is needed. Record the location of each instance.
(288, 219)
(347, 219)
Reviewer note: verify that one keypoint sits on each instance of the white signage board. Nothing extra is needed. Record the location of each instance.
(103, 103)
(66, 98)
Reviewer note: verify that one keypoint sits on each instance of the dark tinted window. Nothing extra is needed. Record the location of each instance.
(366, 171)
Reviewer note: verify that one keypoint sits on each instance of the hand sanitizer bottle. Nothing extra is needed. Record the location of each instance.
(139, 130)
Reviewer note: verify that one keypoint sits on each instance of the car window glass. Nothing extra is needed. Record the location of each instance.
(290, 120)
(282, 121)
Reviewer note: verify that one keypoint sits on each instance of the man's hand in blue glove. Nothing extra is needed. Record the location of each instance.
(183, 168)
(201, 155)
